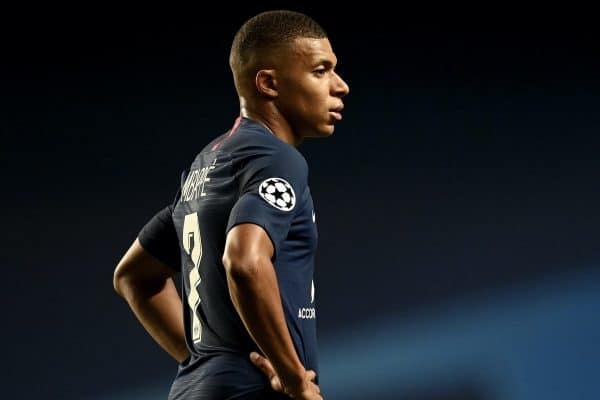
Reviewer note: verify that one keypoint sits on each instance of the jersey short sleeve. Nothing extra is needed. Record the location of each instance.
(158, 237)
(271, 186)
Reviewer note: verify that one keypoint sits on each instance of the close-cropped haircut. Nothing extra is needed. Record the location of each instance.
(269, 30)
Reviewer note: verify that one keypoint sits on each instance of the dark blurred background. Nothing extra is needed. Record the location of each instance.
(457, 201)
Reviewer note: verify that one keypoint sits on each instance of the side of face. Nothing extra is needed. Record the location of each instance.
(309, 91)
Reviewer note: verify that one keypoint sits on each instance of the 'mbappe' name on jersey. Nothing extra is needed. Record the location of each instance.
(193, 188)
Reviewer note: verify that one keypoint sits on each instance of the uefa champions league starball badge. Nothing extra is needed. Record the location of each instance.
(278, 193)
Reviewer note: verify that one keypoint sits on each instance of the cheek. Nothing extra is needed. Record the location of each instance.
(314, 98)
(305, 97)
(304, 100)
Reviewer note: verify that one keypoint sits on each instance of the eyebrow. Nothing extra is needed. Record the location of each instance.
(325, 62)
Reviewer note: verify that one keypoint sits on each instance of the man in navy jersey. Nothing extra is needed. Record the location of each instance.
(242, 229)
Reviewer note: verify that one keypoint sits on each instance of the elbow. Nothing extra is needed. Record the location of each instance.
(120, 281)
(125, 281)
(131, 287)
(139, 274)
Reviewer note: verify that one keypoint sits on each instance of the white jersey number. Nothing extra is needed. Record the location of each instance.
(192, 243)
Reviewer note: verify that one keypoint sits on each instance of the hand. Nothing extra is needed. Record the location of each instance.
(307, 390)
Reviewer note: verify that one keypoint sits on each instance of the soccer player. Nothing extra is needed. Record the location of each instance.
(242, 229)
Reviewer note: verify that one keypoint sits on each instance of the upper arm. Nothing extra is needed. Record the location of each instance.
(245, 246)
(271, 185)
(139, 267)
(153, 256)
(159, 238)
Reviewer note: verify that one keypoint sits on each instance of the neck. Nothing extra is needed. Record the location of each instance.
(269, 116)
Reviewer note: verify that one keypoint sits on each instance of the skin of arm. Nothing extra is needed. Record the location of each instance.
(147, 285)
(255, 294)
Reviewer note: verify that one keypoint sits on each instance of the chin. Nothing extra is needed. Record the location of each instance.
(326, 130)
(321, 132)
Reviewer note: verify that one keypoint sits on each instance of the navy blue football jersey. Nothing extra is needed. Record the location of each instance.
(246, 175)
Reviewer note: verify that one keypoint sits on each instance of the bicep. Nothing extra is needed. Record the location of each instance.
(245, 245)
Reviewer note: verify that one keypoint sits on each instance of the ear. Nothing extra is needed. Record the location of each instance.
(266, 83)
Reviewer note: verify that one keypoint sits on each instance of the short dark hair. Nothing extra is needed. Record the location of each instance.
(271, 29)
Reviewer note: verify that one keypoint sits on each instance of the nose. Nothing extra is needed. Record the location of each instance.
(340, 87)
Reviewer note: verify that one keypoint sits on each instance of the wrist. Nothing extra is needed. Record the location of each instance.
(295, 381)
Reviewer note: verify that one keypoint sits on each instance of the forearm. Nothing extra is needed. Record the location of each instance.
(256, 297)
(159, 309)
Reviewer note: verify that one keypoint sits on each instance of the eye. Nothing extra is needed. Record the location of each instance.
(320, 71)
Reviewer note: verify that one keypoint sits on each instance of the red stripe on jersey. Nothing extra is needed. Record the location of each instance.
(231, 132)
